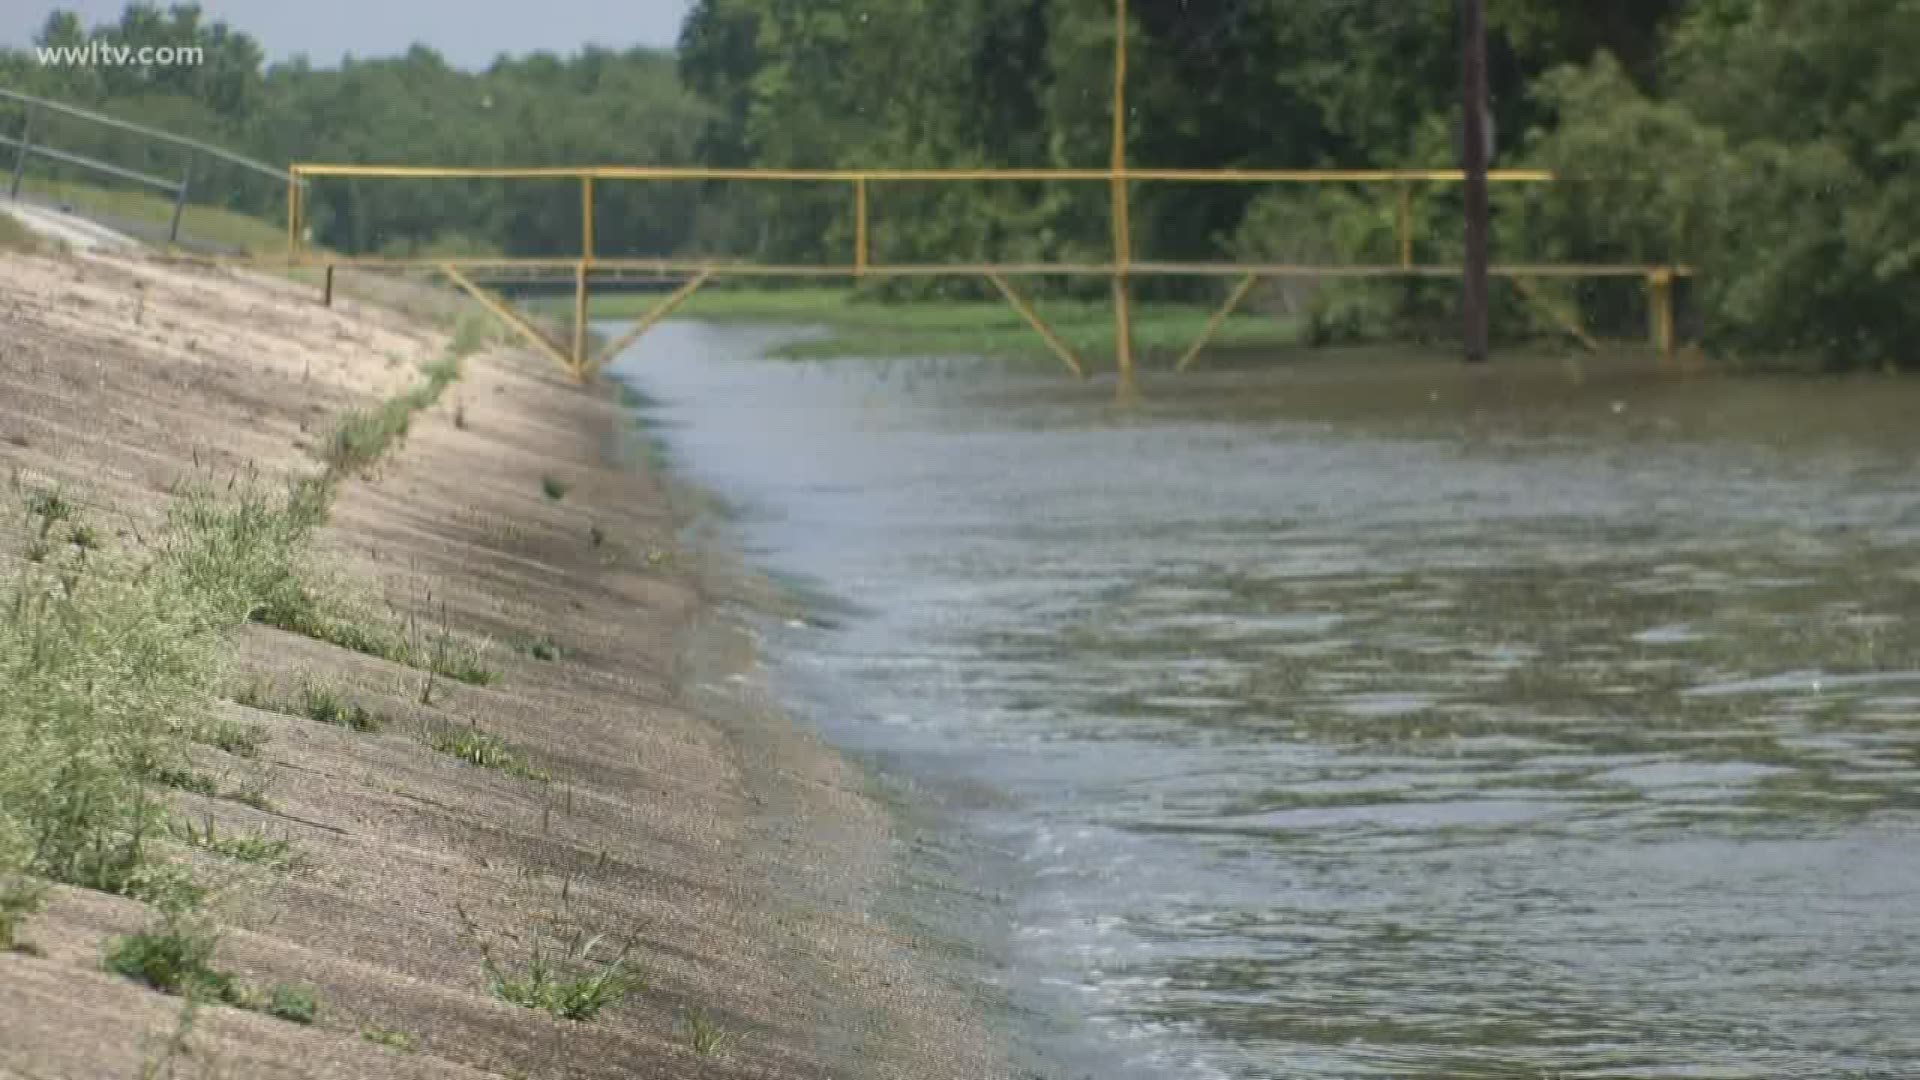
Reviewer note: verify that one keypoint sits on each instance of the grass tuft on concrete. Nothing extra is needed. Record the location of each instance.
(277, 853)
(481, 750)
(564, 979)
(175, 957)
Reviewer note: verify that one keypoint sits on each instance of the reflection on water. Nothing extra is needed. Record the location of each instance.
(1377, 720)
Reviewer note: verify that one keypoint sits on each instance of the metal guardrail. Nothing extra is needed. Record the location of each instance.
(25, 149)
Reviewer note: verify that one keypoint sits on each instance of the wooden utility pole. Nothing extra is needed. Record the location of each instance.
(1473, 148)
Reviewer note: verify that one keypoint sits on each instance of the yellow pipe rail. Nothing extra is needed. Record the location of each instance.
(860, 226)
(679, 267)
(506, 314)
(1060, 348)
(586, 219)
(1555, 312)
(1219, 318)
(1120, 269)
(660, 311)
(696, 172)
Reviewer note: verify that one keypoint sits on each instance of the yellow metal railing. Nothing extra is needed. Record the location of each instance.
(1121, 268)
(860, 262)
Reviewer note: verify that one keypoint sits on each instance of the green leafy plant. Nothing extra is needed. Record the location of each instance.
(705, 1035)
(477, 748)
(278, 853)
(292, 1003)
(564, 979)
(176, 957)
(389, 1038)
(329, 706)
(20, 897)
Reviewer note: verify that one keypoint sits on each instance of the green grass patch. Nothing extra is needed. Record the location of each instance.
(214, 225)
(181, 778)
(236, 737)
(864, 326)
(101, 654)
(277, 853)
(705, 1035)
(564, 979)
(389, 1038)
(20, 899)
(176, 957)
(361, 437)
(479, 749)
(17, 237)
(295, 1004)
(328, 706)
(554, 488)
(540, 648)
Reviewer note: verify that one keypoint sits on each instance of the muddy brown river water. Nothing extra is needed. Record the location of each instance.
(1366, 716)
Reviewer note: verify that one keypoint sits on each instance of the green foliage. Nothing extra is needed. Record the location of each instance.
(292, 1003)
(388, 1037)
(1779, 162)
(540, 648)
(176, 957)
(103, 654)
(276, 853)
(17, 237)
(20, 897)
(705, 1035)
(361, 437)
(554, 488)
(1771, 146)
(476, 747)
(563, 978)
(236, 737)
(329, 706)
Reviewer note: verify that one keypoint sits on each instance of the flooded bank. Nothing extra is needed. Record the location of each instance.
(1368, 720)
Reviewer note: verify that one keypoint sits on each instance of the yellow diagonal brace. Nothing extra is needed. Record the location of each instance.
(507, 315)
(1565, 318)
(1053, 341)
(1219, 318)
(660, 311)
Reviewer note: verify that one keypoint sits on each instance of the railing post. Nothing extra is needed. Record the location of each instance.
(293, 214)
(180, 202)
(586, 218)
(580, 370)
(1660, 297)
(1403, 225)
(20, 155)
(860, 226)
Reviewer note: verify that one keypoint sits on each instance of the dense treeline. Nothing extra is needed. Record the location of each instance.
(1767, 143)
(594, 106)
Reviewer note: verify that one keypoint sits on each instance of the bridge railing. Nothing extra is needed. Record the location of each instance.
(859, 262)
(33, 140)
